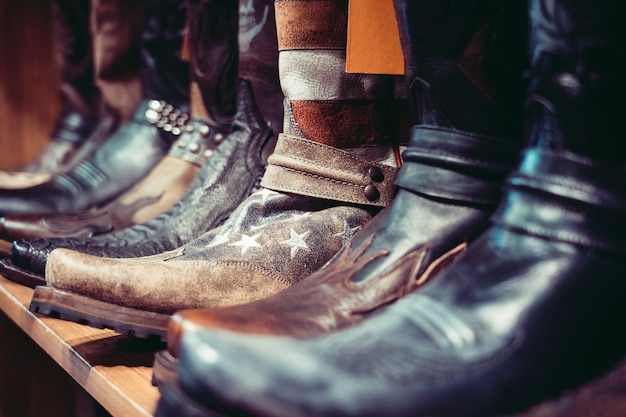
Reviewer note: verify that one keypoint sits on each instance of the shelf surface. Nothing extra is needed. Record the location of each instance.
(115, 370)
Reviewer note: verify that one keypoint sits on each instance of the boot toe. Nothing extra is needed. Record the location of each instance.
(31, 254)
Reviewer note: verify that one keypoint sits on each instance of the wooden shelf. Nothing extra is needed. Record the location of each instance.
(115, 370)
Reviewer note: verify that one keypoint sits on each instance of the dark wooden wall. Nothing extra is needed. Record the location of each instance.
(28, 79)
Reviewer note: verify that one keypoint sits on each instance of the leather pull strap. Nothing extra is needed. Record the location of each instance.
(316, 24)
(457, 166)
(566, 198)
(304, 167)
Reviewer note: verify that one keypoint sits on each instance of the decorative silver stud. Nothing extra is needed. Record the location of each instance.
(194, 148)
(204, 131)
(152, 116)
(154, 104)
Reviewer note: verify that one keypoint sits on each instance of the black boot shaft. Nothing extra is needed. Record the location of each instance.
(213, 29)
(165, 74)
(447, 46)
(80, 98)
(74, 56)
(576, 87)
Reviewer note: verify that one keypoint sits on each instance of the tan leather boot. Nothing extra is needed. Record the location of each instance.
(333, 168)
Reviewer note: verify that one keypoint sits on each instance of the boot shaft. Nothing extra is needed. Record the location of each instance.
(165, 74)
(323, 103)
(213, 52)
(464, 64)
(74, 56)
(116, 35)
(575, 84)
(258, 58)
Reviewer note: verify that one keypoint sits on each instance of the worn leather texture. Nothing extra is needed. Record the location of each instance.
(311, 24)
(403, 247)
(153, 195)
(225, 180)
(304, 167)
(269, 242)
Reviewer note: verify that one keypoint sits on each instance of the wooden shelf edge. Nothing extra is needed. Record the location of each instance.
(44, 331)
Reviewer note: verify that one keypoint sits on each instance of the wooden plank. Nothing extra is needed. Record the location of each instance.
(116, 370)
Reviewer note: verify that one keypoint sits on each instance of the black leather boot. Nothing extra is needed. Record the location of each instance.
(533, 308)
(79, 97)
(224, 181)
(130, 153)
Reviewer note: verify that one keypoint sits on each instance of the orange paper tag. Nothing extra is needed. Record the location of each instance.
(373, 38)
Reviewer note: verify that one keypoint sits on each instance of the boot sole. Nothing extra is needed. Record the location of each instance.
(19, 275)
(175, 402)
(99, 314)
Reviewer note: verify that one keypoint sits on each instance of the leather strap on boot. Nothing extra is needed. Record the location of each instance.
(567, 198)
(457, 166)
(309, 168)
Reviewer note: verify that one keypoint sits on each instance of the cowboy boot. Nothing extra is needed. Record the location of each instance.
(235, 169)
(449, 185)
(131, 152)
(214, 84)
(79, 98)
(532, 309)
(327, 176)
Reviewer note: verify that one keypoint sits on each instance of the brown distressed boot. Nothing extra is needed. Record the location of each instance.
(333, 168)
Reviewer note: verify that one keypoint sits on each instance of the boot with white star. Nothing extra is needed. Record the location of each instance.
(332, 169)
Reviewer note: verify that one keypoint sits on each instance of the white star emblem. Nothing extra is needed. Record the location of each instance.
(347, 232)
(296, 242)
(247, 242)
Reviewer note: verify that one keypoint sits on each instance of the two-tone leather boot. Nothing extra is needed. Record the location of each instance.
(533, 308)
(79, 97)
(233, 170)
(133, 150)
(213, 60)
(449, 184)
(331, 170)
